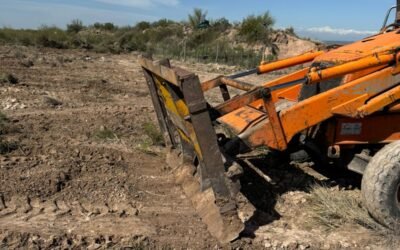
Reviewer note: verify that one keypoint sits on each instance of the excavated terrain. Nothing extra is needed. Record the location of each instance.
(81, 166)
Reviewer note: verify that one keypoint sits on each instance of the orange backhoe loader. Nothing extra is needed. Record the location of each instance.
(345, 105)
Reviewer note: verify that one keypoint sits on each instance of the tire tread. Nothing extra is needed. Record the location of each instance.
(381, 173)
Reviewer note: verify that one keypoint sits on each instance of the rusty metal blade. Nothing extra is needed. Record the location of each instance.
(220, 216)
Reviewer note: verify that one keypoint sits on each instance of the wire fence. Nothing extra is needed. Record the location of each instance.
(219, 53)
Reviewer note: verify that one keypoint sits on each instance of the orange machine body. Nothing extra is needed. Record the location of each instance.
(368, 73)
(341, 106)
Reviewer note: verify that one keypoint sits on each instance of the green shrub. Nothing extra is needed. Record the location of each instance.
(109, 26)
(105, 26)
(3, 36)
(290, 30)
(256, 28)
(105, 134)
(51, 37)
(162, 23)
(153, 133)
(163, 37)
(75, 26)
(221, 24)
(143, 26)
(130, 41)
(201, 38)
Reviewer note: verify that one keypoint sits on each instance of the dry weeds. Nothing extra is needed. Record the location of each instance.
(8, 78)
(153, 133)
(334, 208)
(105, 134)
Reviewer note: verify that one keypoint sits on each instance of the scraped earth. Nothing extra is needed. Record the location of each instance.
(79, 170)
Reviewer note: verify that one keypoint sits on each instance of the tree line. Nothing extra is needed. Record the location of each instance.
(197, 38)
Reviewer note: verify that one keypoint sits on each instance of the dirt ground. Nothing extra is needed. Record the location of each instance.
(78, 168)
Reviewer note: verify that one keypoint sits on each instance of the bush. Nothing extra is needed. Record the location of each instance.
(201, 38)
(51, 37)
(105, 26)
(221, 24)
(290, 30)
(163, 37)
(162, 23)
(75, 26)
(256, 28)
(105, 134)
(129, 41)
(153, 133)
(143, 26)
(110, 26)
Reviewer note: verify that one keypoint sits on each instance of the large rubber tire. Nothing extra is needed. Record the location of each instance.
(381, 186)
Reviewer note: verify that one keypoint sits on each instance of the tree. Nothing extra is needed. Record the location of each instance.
(221, 24)
(109, 26)
(143, 25)
(290, 31)
(198, 17)
(162, 23)
(75, 26)
(105, 26)
(257, 28)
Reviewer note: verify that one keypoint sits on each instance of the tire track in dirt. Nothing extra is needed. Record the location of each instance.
(65, 188)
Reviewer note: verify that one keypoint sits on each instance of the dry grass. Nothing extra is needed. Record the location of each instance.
(153, 133)
(5, 146)
(105, 134)
(153, 137)
(333, 208)
(52, 102)
(4, 123)
(8, 78)
(145, 147)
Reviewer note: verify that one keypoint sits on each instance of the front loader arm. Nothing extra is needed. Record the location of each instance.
(350, 100)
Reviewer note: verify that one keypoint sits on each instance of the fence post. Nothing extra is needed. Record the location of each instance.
(216, 57)
(263, 49)
(184, 50)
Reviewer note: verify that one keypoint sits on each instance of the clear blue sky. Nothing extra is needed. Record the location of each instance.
(324, 20)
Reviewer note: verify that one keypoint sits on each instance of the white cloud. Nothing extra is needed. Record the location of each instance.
(141, 3)
(341, 32)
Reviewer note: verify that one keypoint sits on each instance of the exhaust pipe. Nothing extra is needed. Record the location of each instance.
(398, 12)
(397, 17)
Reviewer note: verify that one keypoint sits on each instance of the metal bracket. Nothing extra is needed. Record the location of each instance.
(212, 166)
(274, 119)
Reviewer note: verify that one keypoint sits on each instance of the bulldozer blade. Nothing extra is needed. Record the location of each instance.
(220, 216)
